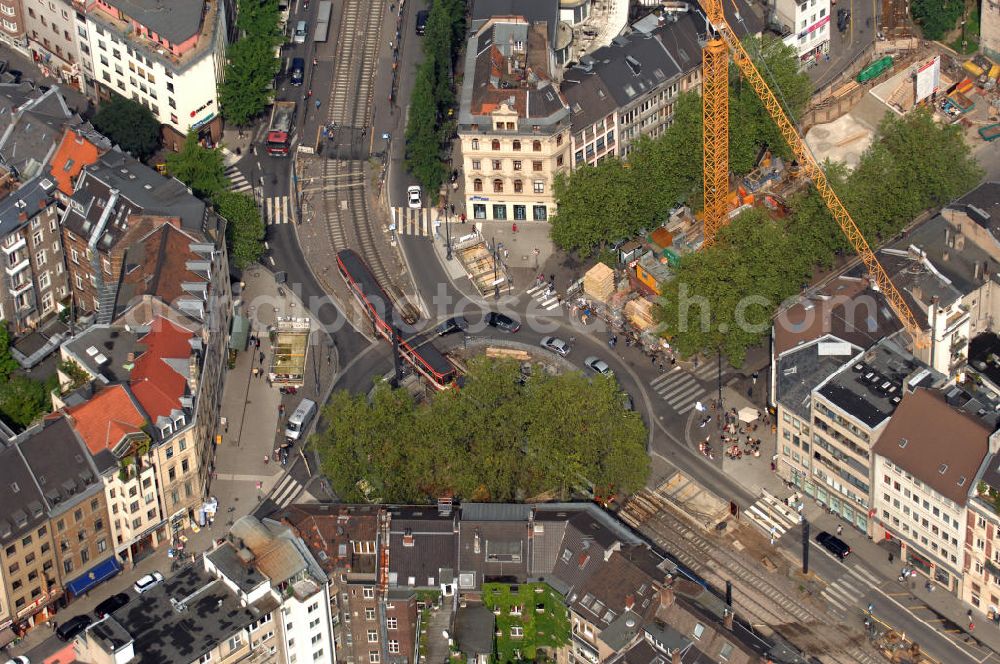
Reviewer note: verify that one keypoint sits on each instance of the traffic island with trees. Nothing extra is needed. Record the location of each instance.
(431, 122)
(499, 438)
(759, 259)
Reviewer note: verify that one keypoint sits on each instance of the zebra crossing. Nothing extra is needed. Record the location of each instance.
(276, 210)
(682, 390)
(237, 181)
(845, 593)
(286, 491)
(413, 221)
(538, 293)
(771, 515)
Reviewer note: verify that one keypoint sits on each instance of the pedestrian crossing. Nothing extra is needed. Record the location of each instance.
(538, 293)
(276, 210)
(846, 593)
(286, 491)
(413, 221)
(237, 181)
(682, 390)
(771, 515)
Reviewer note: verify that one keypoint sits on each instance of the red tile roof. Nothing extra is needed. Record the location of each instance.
(73, 154)
(156, 384)
(106, 418)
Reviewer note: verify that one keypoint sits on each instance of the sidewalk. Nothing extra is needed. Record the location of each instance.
(939, 610)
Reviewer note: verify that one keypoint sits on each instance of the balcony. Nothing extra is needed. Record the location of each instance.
(20, 265)
(19, 287)
(13, 243)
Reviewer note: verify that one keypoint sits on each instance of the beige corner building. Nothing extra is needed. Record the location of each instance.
(513, 122)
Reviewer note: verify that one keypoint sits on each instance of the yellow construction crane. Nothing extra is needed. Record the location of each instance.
(715, 115)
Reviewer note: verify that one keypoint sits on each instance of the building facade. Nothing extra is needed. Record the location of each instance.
(53, 29)
(805, 26)
(12, 24)
(171, 62)
(513, 123)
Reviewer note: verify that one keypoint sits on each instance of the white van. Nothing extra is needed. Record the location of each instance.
(299, 420)
(301, 32)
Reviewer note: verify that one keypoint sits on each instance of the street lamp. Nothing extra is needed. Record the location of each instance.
(447, 230)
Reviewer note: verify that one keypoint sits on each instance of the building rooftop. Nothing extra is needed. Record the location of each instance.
(23, 504)
(79, 147)
(31, 135)
(802, 368)
(982, 204)
(107, 418)
(474, 626)
(277, 553)
(508, 63)
(20, 206)
(332, 531)
(105, 350)
(227, 560)
(166, 632)
(140, 190)
(162, 369)
(845, 307)
(159, 264)
(423, 546)
(173, 20)
(914, 438)
(870, 386)
(534, 11)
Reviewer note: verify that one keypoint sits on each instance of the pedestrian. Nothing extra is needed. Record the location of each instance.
(262, 358)
(317, 104)
(451, 207)
(840, 528)
(315, 62)
(257, 341)
(309, 93)
(281, 410)
(463, 217)
(891, 556)
(255, 372)
(513, 227)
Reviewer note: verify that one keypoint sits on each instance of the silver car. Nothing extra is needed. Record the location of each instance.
(597, 365)
(556, 345)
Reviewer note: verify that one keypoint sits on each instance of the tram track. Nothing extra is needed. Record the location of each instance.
(755, 596)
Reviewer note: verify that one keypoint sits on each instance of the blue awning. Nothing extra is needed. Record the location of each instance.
(99, 573)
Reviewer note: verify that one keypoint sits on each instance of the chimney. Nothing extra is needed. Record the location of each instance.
(945, 256)
(666, 597)
(675, 656)
(918, 293)
(42, 204)
(727, 620)
(629, 601)
(22, 216)
(959, 242)
(978, 271)
(947, 236)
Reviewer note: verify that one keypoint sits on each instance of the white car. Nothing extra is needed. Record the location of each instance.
(556, 345)
(148, 582)
(413, 197)
(598, 365)
(19, 659)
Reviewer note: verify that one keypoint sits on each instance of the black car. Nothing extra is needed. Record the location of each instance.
(298, 70)
(453, 324)
(72, 627)
(111, 604)
(843, 16)
(501, 322)
(834, 545)
(422, 17)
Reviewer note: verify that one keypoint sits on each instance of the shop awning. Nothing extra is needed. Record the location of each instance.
(99, 573)
(240, 333)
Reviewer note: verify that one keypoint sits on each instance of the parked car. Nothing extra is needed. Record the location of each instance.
(301, 32)
(834, 544)
(843, 18)
(422, 17)
(453, 324)
(502, 322)
(298, 71)
(148, 582)
(111, 604)
(597, 365)
(18, 659)
(413, 197)
(72, 627)
(556, 345)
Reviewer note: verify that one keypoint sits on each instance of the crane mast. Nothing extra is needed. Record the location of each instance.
(715, 114)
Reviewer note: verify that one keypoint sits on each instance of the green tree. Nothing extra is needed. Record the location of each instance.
(423, 138)
(247, 88)
(200, 168)
(936, 17)
(23, 400)
(474, 442)
(245, 229)
(596, 206)
(129, 124)
(7, 362)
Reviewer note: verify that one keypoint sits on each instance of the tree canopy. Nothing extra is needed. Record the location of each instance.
(493, 440)
(723, 297)
(22, 399)
(129, 124)
(430, 122)
(244, 229)
(202, 169)
(251, 63)
(599, 205)
(936, 17)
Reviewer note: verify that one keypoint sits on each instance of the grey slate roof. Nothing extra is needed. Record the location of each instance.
(31, 198)
(802, 369)
(474, 630)
(534, 11)
(495, 512)
(175, 20)
(434, 547)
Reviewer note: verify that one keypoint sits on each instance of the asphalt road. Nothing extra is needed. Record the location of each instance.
(847, 46)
